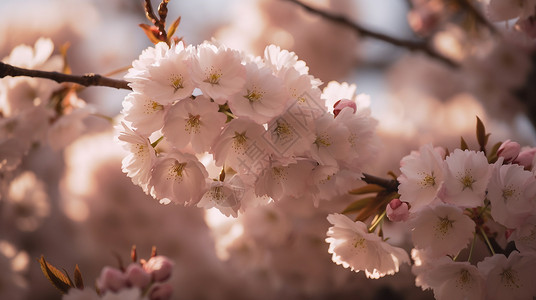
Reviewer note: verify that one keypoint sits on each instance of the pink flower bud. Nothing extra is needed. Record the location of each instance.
(137, 276)
(343, 103)
(525, 158)
(159, 267)
(397, 211)
(111, 279)
(509, 150)
(161, 292)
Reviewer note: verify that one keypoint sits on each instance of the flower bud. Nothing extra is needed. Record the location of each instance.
(343, 103)
(111, 279)
(397, 211)
(137, 276)
(509, 150)
(525, 158)
(161, 292)
(159, 267)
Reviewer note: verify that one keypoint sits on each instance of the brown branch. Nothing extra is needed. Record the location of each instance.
(362, 31)
(85, 80)
(390, 185)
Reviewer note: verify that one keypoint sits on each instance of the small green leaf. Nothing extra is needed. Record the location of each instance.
(481, 135)
(358, 205)
(367, 189)
(463, 144)
(173, 27)
(56, 277)
(492, 156)
(78, 281)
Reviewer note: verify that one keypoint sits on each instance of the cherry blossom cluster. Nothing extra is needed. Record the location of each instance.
(144, 280)
(448, 200)
(211, 126)
(33, 110)
(454, 199)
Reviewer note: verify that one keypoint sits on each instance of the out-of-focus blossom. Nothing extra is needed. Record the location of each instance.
(27, 202)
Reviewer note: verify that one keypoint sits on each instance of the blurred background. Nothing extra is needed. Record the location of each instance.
(75, 206)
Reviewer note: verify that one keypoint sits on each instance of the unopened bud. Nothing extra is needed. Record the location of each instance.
(137, 276)
(159, 267)
(397, 211)
(509, 151)
(111, 279)
(525, 158)
(161, 292)
(343, 103)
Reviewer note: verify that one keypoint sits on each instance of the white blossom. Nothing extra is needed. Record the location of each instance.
(354, 247)
(512, 193)
(422, 177)
(466, 179)
(193, 120)
(509, 278)
(442, 230)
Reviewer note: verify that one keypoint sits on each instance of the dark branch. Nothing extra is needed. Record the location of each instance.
(390, 185)
(85, 80)
(362, 31)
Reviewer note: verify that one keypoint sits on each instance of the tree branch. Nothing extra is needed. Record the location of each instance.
(390, 185)
(362, 31)
(85, 80)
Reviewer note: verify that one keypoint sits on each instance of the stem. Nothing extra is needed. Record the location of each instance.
(377, 222)
(85, 80)
(362, 31)
(472, 247)
(388, 184)
(483, 233)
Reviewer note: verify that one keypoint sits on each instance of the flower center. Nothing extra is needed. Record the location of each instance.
(510, 279)
(444, 225)
(254, 95)
(323, 140)
(240, 140)
(467, 181)
(464, 281)
(152, 107)
(176, 171)
(213, 77)
(193, 123)
(428, 180)
(177, 82)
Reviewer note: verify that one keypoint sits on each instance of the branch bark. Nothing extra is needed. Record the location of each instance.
(365, 32)
(85, 80)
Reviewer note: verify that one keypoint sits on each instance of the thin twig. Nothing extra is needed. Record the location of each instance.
(85, 80)
(362, 31)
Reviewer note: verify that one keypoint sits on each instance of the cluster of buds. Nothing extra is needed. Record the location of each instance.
(140, 280)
